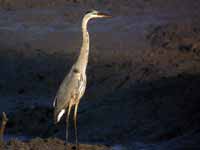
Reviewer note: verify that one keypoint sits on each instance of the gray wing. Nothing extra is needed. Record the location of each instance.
(68, 90)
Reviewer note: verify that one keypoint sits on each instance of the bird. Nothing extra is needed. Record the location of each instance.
(73, 86)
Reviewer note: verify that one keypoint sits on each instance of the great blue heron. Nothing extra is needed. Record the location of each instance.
(73, 87)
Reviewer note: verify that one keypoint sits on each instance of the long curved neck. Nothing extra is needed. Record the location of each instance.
(84, 52)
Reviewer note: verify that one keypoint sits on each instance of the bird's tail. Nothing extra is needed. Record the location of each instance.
(58, 115)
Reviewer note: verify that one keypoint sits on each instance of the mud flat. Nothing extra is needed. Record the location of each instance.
(47, 144)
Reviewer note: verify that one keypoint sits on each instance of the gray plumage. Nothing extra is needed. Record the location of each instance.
(73, 86)
(71, 89)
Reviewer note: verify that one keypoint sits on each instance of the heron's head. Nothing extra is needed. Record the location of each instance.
(96, 14)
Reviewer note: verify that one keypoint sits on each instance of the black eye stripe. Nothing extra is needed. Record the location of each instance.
(89, 11)
(76, 70)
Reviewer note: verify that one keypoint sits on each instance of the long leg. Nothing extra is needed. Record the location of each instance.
(75, 125)
(67, 121)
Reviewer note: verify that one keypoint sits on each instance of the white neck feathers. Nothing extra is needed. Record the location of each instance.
(84, 52)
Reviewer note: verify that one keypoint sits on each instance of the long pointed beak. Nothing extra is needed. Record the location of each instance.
(104, 15)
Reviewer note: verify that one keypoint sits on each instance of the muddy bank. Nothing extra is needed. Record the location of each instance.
(143, 73)
(164, 50)
(47, 144)
(121, 6)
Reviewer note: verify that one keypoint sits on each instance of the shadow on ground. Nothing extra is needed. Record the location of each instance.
(156, 111)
